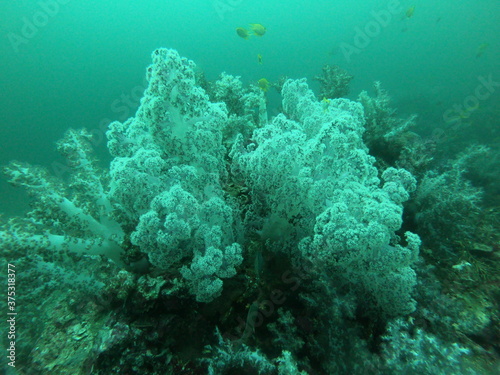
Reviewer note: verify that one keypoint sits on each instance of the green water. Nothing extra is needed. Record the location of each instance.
(81, 64)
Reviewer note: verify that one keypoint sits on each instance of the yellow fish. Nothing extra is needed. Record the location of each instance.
(242, 32)
(264, 84)
(257, 29)
(259, 58)
(410, 11)
(326, 104)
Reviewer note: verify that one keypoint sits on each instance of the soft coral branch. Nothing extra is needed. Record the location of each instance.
(76, 217)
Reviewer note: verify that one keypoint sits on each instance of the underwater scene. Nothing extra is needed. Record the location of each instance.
(232, 187)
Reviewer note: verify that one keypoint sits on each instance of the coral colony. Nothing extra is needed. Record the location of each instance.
(220, 241)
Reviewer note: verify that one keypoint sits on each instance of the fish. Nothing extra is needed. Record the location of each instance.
(257, 29)
(242, 32)
(326, 103)
(259, 58)
(410, 11)
(264, 84)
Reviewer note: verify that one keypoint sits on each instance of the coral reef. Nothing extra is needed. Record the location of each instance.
(284, 236)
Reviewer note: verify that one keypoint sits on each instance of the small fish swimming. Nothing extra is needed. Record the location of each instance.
(242, 32)
(410, 11)
(264, 84)
(326, 103)
(258, 29)
(259, 58)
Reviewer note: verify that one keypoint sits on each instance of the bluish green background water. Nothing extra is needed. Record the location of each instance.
(84, 64)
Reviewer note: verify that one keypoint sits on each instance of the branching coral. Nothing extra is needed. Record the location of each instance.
(334, 82)
(447, 203)
(420, 352)
(228, 357)
(385, 134)
(77, 216)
